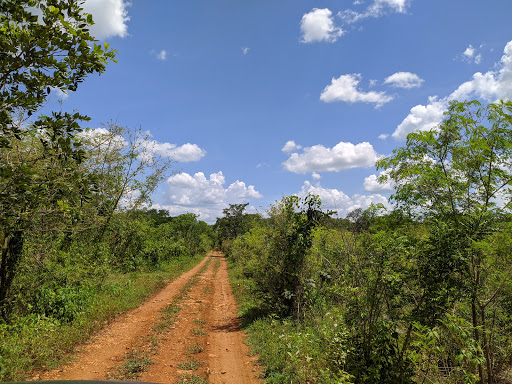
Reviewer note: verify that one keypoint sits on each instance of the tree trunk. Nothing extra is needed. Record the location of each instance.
(477, 334)
(487, 349)
(11, 255)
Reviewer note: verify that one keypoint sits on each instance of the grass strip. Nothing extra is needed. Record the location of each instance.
(139, 360)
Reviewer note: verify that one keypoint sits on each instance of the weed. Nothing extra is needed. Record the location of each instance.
(198, 332)
(192, 378)
(199, 321)
(208, 289)
(137, 363)
(195, 349)
(190, 365)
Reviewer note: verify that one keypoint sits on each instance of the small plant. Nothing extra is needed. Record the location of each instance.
(199, 321)
(190, 365)
(137, 362)
(208, 289)
(169, 314)
(195, 349)
(192, 378)
(198, 332)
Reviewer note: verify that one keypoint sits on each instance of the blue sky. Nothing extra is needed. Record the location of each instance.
(257, 100)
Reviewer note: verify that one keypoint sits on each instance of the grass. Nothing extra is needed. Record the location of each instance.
(39, 342)
(192, 378)
(208, 289)
(194, 349)
(198, 332)
(136, 363)
(140, 361)
(190, 365)
(199, 321)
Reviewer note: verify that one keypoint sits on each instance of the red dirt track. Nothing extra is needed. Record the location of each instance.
(205, 330)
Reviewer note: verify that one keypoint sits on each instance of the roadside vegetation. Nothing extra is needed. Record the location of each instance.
(418, 293)
(77, 244)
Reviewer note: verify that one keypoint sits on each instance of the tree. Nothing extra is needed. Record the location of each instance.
(233, 223)
(44, 45)
(458, 177)
(124, 166)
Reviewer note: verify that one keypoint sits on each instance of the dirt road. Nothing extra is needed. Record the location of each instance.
(188, 332)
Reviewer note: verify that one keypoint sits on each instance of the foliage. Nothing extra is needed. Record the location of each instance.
(458, 176)
(39, 161)
(45, 45)
(459, 168)
(77, 245)
(277, 253)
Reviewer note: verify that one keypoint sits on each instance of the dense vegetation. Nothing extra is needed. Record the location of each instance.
(420, 293)
(77, 244)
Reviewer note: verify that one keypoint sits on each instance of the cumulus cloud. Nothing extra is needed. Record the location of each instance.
(290, 146)
(102, 137)
(318, 25)
(204, 196)
(404, 80)
(371, 184)
(489, 86)
(245, 50)
(316, 176)
(336, 200)
(342, 156)
(421, 117)
(470, 55)
(185, 153)
(377, 9)
(110, 17)
(383, 136)
(344, 88)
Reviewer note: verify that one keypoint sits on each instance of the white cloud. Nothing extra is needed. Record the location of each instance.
(404, 80)
(371, 184)
(162, 55)
(110, 17)
(290, 146)
(184, 153)
(342, 156)
(469, 52)
(490, 86)
(318, 25)
(148, 148)
(377, 9)
(383, 136)
(204, 196)
(470, 55)
(60, 93)
(336, 200)
(344, 88)
(103, 139)
(245, 50)
(316, 176)
(421, 118)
